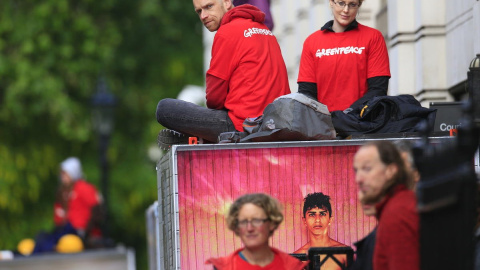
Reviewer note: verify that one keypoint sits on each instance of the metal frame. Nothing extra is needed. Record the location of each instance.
(316, 262)
(167, 183)
(153, 228)
(253, 145)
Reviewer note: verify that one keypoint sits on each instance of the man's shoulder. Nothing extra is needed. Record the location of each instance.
(405, 196)
(289, 262)
(400, 207)
(337, 244)
(303, 249)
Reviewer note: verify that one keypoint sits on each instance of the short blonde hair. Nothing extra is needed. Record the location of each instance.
(270, 205)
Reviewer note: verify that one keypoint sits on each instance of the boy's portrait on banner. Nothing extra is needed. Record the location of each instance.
(317, 218)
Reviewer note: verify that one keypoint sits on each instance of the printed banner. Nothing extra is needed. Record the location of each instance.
(210, 180)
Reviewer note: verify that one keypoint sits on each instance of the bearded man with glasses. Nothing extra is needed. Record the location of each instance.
(345, 63)
(254, 218)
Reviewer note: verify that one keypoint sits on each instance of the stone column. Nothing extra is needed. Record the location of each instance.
(430, 52)
(401, 43)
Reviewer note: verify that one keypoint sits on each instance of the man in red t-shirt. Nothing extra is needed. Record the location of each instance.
(247, 72)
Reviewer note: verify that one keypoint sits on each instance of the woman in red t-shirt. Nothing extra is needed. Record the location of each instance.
(345, 63)
(254, 218)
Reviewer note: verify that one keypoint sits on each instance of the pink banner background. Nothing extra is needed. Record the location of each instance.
(210, 180)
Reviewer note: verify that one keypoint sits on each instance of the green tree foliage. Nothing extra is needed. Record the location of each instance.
(52, 53)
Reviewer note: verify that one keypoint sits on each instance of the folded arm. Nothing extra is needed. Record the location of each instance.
(216, 92)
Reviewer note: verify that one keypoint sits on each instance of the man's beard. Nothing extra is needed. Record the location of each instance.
(376, 198)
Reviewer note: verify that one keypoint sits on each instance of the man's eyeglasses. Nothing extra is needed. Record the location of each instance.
(256, 222)
(343, 5)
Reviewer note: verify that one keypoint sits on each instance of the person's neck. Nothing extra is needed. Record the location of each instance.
(338, 28)
(319, 240)
(261, 256)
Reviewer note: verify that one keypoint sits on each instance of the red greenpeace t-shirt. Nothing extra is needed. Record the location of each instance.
(341, 63)
(247, 56)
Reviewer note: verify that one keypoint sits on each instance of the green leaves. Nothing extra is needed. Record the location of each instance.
(51, 55)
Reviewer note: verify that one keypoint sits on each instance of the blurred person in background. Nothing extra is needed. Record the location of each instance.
(366, 246)
(78, 202)
(77, 209)
(384, 182)
(405, 148)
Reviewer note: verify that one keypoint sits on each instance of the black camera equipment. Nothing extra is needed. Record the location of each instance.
(448, 188)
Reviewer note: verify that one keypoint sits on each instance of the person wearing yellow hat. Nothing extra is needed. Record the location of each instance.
(26, 246)
(69, 243)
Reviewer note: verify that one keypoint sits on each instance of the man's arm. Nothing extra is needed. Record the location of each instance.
(309, 89)
(216, 92)
(377, 86)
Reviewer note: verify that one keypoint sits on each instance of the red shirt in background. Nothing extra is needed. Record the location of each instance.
(82, 198)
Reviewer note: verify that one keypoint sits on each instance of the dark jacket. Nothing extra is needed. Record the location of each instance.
(383, 114)
(365, 247)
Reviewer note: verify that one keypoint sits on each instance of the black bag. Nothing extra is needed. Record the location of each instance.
(292, 117)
